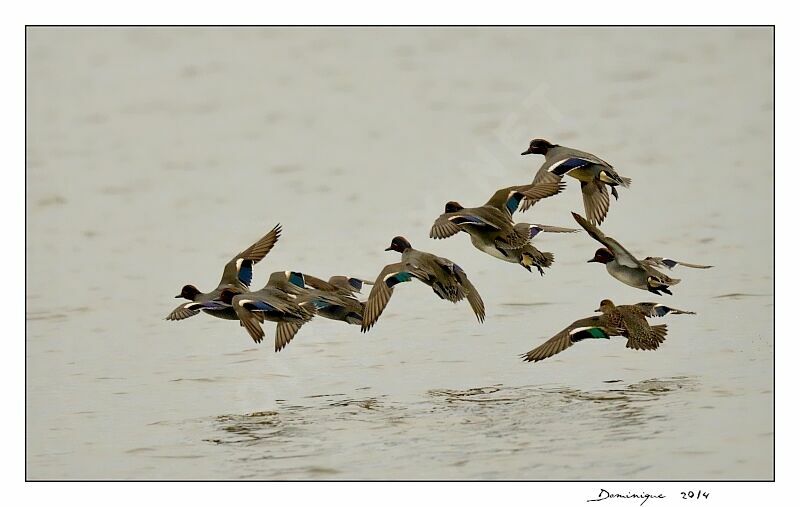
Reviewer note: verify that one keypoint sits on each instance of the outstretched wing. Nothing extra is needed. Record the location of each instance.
(239, 270)
(250, 322)
(318, 283)
(250, 309)
(623, 256)
(656, 309)
(192, 308)
(550, 228)
(595, 201)
(509, 199)
(443, 227)
(284, 332)
(382, 291)
(588, 328)
(669, 263)
(542, 176)
(474, 299)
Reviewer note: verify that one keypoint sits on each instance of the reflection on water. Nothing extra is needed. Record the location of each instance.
(510, 417)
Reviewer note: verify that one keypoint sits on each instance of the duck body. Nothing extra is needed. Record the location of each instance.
(289, 311)
(221, 312)
(595, 174)
(492, 230)
(623, 266)
(348, 310)
(500, 246)
(443, 276)
(640, 277)
(334, 299)
(629, 321)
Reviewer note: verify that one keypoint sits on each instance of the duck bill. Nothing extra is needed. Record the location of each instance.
(387, 249)
(592, 260)
(178, 296)
(526, 152)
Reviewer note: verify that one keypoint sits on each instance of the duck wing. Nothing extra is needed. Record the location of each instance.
(669, 263)
(252, 307)
(474, 299)
(514, 238)
(249, 321)
(537, 228)
(319, 284)
(542, 176)
(239, 270)
(563, 153)
(509, 199)
(382, 290)
(443, 227)
(285, 331)
(623, 256)
(595, 201)
(192, 308)
(533, 229)
(590, 327)
(440, 274)
(655, 309)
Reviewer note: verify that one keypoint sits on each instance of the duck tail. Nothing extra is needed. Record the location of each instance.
(626, 182)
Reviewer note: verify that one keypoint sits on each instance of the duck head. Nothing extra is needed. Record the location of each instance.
(539, 147)
(189, 292)
(603, 256)
(606, 306)
(452, 207)
(399, 244)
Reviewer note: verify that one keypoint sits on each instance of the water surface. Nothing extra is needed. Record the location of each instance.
(154, 155)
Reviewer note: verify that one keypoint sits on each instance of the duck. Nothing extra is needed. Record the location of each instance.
(236, 276)
(492, 230)
(629, 321)
(594, 173)
(333, 301)
(289, 311)
(348, 284)
(445, 277)
(626, 268)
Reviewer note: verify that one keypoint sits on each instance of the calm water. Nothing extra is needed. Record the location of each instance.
(154, 155)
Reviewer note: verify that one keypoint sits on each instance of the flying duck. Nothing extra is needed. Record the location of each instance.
(236, 276)
(445, 277)
(629, 321)
(594, 173)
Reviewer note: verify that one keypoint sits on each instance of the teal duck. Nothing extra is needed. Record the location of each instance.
(594, 173)
(492, 230)
(445, 277)
(629, 321)
(331, 300)
(626, 268)
(236, 276)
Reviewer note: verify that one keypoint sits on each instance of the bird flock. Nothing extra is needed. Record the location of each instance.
(291, 299)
